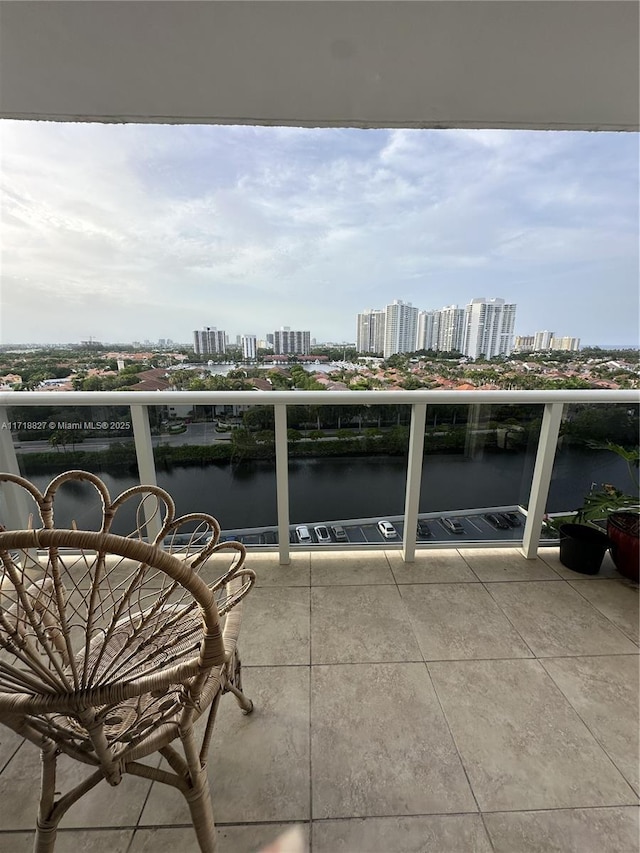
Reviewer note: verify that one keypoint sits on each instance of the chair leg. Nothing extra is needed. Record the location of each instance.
(201, 808)
(234, 684)
(245, 703)
(46, 828)
(45, 839)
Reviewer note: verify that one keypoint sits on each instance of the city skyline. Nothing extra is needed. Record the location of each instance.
(129, 232)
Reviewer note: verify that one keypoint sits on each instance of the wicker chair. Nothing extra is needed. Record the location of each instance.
(111, 648)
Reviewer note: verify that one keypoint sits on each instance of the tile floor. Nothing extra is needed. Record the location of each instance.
(472, 701)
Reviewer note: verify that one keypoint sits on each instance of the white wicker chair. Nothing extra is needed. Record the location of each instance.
(111, 647)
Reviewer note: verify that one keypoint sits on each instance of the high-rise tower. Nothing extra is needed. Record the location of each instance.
(488, 328)
(401, 326)
(370, 331)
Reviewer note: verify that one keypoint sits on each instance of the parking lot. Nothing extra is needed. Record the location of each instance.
(475, 527)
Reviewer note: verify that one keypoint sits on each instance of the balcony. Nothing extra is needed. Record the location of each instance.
(461, 698)
(470, 700)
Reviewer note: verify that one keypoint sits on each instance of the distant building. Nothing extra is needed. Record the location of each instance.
(542, 341)
(488, 328)
(209, 341)
(249, 346)
(288, 342)
(400, 328)
(571, 344)
(370, 331)
(523, 343)
(428, 329)
(450, 329)
(545, 342)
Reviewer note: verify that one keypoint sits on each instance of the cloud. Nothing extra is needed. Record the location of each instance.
(127, 232)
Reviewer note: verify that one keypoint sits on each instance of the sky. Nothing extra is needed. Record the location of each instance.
(132, 232)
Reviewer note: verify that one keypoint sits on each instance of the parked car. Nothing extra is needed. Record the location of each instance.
(303, 535)
(423, 530)
(322, 534)
(340, 534)
(497, 521)
(387, 529)
(512, 519)
(196, 539)
(453, 525)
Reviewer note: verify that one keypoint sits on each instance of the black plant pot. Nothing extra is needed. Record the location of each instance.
(582, 548)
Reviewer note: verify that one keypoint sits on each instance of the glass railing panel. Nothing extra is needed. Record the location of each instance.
(347, 469)
(477, 470)
(219, 459)
(584, 466)
(49, 440)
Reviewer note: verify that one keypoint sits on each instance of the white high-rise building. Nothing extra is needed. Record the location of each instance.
(542, 341)
(488, 328)
(400, 328)
(370, 331)
(249, 346)
(428, 329)
(288, 342)
(209, 341)
(451, 328)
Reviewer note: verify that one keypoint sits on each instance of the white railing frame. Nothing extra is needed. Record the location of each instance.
(414, 480)
(541, 480)
(138, 403)
(146, 463)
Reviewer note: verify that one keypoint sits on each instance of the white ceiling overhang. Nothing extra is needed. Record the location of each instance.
(442, 63)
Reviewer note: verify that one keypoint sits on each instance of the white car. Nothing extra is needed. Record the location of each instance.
(303, 535)
(322, 534)
(387, 529)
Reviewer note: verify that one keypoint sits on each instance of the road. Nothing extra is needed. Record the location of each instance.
(202, 434)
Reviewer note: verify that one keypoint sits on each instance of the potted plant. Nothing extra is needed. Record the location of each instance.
(583, 542)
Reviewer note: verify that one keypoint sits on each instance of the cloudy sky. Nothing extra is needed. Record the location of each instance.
(133, 232)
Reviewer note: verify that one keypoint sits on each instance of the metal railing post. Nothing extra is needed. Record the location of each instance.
(414, 479)
(282, 482)
(541, 478)
(15, 509)
(146, 463)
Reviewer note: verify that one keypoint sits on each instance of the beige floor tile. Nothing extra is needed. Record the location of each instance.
(103, 806)
(258, 764)
(9, 742)
(355, 567)
(270, 573)
(461, 620)
(230, 839)
(275, 626)
(19, 789)
(551, 556)
(608, 830)
(430, 834)
(506, 564)
(604, 692)
(358, 624)
(522, 744)
(554, 620)
(380, 745)
(93, 841)
(435, 566)
(617, 600)
(16, 842)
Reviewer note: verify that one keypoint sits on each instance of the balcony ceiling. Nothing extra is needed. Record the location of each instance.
(571, 65)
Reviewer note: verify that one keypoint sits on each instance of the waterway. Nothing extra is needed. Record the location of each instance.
(326, 489)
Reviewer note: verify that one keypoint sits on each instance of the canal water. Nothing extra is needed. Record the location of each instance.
(326, 489)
